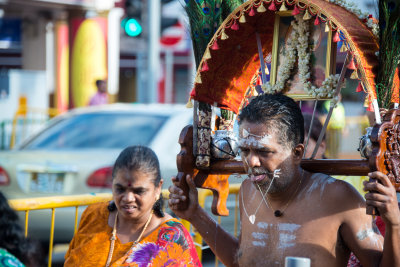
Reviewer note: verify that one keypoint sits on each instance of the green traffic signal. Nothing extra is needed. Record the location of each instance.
(132, 27)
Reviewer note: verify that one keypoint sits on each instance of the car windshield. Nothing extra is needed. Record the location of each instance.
(99, 130)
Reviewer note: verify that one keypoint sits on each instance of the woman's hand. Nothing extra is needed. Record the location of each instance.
(383, 198)
(177, 196)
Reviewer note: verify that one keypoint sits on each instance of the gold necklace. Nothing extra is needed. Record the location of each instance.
(114, 237)
(279, 213)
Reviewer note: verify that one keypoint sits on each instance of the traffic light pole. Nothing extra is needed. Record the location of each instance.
(153, 52)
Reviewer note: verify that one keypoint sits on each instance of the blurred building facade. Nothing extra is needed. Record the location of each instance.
(65, 45)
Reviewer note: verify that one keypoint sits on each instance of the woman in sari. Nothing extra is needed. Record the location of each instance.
(132, 230)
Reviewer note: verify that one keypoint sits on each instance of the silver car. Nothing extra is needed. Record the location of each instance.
(75, 152)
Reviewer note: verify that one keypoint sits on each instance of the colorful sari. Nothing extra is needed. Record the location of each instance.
(167, 246)
(8, 260)
(170, 244)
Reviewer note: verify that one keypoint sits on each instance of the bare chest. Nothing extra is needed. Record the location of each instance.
(269, 242)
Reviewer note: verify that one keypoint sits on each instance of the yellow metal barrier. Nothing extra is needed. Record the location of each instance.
(52, 203)
(83, 200)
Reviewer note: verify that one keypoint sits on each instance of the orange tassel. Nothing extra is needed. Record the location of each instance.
(235, 26)
(215, 45)
(272, 6)
(316, 21)
(336, 38)
(205, 66)
(295, 11)
(359, 88)
(252, 12)
(351, 65)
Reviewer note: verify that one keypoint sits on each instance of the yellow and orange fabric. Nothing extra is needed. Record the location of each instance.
(170, 244)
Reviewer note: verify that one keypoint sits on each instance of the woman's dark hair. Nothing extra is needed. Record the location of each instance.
(144, 159)
(12, 237)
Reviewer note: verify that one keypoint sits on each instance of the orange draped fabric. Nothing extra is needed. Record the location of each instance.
(170, 244)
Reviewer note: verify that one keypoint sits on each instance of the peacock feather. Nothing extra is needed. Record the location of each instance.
(205, 16)
(389, 50)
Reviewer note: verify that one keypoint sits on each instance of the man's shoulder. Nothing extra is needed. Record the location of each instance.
(333, 188)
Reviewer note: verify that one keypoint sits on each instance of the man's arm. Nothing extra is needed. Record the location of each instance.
(385, 200)
(221, 243)
(358, 229)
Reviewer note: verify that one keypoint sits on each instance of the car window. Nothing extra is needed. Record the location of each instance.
(99, 130)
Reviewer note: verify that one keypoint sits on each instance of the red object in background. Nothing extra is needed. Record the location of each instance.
(120, 3)
(173, 35)
(381, 224)
(4, 178)
(161, 84)
(101, 178)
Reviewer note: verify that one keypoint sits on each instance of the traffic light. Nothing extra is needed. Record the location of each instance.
(132, 23)
(132, 27)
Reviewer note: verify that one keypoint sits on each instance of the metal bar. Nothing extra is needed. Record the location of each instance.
(13, 131)
(51, 236)
(153, 51)
(337, 92)
(235, 223)
(26, 222)
(309, 129)
(3, 135)
(261, 57)
(76, 219)
(216, 258)
(59, 202)
(169, 76)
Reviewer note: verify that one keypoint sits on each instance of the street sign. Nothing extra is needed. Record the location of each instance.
(172, 36)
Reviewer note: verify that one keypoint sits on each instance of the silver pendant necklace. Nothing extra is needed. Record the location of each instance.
(252, 217)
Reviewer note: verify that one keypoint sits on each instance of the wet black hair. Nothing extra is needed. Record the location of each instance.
(144, 159)
(12, 237)
(316, 126)
(278, 111)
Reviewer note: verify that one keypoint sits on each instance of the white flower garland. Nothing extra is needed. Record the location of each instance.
(298, 42)
(352, 7)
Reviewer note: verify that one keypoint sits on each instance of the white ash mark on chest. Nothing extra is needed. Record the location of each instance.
(286, 234)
